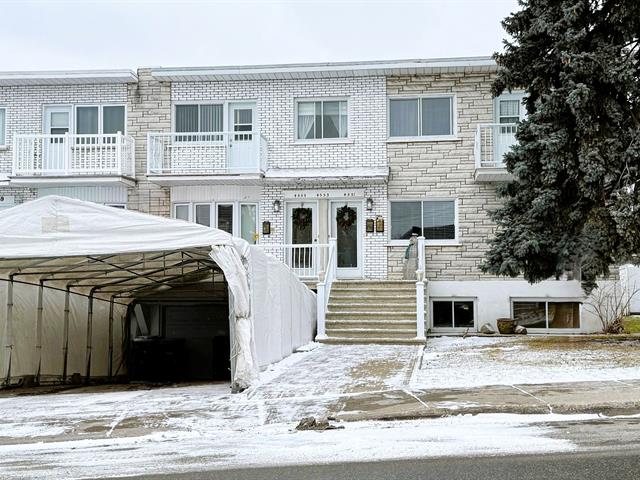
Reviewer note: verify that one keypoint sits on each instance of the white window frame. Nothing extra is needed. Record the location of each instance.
(546, 301)
(424, 138)
(225, 113)
(403, 243)
(211, 212)
(3, 138)
(303, 141)
(178, 204)
(100, 115)
(508, 96)
(257, 229)
(452, 300)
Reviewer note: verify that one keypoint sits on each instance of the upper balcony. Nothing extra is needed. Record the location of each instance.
(217, 157)
(43, 160)
(493, 140)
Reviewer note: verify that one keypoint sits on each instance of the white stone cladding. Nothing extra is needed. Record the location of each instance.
(148, 110)
(25, 114)
(437, 169)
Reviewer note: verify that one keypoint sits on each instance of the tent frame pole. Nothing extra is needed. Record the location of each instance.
(65, 341)
(39, 319)
(8, 334)
(89, 336)
(111, 303)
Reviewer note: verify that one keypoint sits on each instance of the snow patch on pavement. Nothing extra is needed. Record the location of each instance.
(457, 362)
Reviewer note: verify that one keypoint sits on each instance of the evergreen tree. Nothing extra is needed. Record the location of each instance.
(575, 200)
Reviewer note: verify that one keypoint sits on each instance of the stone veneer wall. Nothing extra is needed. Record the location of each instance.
(148, 110)
(436, 169)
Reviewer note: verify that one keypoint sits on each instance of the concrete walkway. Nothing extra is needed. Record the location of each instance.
(609, 398)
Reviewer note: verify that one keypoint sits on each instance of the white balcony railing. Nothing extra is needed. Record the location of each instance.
(307, 261)
(43, 155)
(493, 140)
(206, 153)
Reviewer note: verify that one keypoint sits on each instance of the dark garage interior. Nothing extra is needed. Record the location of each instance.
(183, 335)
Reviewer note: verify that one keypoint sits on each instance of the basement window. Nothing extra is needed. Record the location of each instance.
(452, 313)
(547, 314)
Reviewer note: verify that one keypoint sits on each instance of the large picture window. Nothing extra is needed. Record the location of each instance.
(421, 117)
(322, 119)
(204, 119)
(237, 218)
(433, 219)
(100, 119)
(547, 314)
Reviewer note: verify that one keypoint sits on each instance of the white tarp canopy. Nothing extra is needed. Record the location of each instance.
(103, 258)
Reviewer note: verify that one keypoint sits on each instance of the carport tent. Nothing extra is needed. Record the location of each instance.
(111, 256)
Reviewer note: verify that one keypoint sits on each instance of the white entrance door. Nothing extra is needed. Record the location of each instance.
(57, 121)
(509, 111)
(346, 228)
(302, 234)
(243, 141)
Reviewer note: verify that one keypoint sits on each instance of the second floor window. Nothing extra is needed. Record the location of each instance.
(421, 117)
(198, 118)
(3, 126)
(322, 119)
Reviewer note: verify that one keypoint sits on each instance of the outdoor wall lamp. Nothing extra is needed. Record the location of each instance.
(276, 206)
(369, 204)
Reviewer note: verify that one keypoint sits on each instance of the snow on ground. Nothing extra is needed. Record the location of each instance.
(205, 444)
(456, 362)
(127, 430)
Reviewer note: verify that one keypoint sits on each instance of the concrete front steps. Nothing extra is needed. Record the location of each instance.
(371, 311)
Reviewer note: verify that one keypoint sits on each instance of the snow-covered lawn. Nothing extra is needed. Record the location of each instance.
(456, 362)
(128, 430)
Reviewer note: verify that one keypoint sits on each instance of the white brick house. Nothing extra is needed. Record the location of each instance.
(65, 133)
(271, 153)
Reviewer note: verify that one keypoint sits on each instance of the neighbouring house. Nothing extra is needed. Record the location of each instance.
(330, 167)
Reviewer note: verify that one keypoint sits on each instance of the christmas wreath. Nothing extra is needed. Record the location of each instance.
(301, 217)
(345, 217)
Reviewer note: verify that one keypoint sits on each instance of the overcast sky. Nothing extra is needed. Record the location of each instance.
(65, 34)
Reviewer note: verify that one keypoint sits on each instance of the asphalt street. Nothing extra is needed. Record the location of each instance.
(607, 449)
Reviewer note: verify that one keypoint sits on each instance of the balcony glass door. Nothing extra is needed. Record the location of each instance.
(509, 111)
(242, 142)
(57, 121)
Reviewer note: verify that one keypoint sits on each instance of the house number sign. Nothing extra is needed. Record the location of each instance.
(318, 194)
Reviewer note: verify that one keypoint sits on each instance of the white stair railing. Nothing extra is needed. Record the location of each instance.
(324, 290)
(420, 280)
(307, 261)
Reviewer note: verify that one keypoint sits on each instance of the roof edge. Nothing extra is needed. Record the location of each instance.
(67, 77)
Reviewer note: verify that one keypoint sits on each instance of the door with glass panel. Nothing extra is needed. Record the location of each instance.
(243, 143)
(57, 122)
(346, 228)
(509, 111)
(302, 235)
(249, 222)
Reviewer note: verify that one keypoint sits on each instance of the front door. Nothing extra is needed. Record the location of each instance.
(243, 141)
(57, 121)
(346, 228)
(509, 111)
(302, 234)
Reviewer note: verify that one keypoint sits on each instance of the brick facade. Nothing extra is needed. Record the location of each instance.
(25, 114)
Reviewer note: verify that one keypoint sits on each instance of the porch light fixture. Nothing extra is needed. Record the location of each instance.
(276, 206)
(369, 204)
